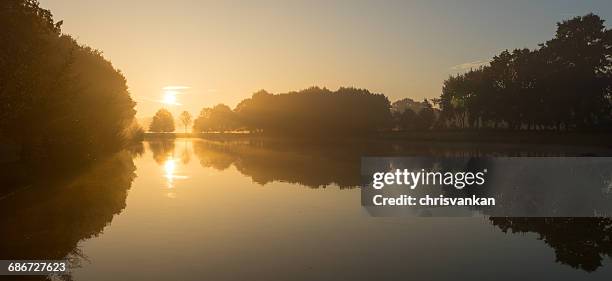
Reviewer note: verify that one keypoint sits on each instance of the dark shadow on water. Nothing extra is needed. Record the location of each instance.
(582, 243)
(310, 165)
(47, 219)
(319, 164)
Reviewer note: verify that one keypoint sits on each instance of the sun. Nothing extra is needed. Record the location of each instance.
(169, 97)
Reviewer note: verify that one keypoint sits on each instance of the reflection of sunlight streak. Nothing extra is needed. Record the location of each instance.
(170, 172)
(169, 168)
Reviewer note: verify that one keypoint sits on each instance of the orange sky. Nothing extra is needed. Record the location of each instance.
(223, 52)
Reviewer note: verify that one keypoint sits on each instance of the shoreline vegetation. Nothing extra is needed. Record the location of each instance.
(60, 101)
(564, 85)
(601, 139)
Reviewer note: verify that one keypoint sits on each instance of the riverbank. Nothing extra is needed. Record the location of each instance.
(440, 136)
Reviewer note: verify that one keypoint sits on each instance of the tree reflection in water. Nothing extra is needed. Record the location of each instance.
(47, 220)
(581, 243)
(164, 154)
(578, 242)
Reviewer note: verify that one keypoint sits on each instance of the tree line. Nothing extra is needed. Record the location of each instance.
(310, 111)
(564, 84)
(58, 99)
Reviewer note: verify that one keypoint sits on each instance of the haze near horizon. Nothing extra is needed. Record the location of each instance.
(206, 53)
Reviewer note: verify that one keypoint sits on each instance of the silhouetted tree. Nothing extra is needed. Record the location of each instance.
(185, 119)
(58, 99)
(220, 118)
(162, 122)
(407, 103)
(578, 242)
(409, 120)
(316, 111)
(565, 84)
(427, 116)
(412, 115)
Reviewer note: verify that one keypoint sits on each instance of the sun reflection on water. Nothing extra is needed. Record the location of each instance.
(170, 172)
(169, 169)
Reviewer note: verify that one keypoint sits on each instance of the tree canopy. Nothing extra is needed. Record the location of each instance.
(163, 122)
(58, 99)
(564, 84)
(307, 112)
(316, 111)
(185, 118)
(220, 118)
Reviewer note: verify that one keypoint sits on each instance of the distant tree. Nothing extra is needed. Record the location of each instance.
(410, 115)
(316, 111)
(202, 122)
(162, 122)
(220, 118)
(407, 103)
(185, 118)
(427, 116)
(409, 120)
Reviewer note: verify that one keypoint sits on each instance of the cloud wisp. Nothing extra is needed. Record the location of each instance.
(469, 65)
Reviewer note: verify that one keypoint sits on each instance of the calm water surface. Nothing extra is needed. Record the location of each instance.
(197, 210)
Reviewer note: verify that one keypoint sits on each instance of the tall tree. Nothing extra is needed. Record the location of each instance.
(185, 118)
(163, 122)
(58, 99)
(566, 83)
(581, 56)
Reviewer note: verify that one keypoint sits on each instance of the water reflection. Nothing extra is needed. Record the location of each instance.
(164, 154)
(580, 243)
(338, 163)
(521, 186)
(162, 150)
(306, 231)
(169, 167)
(309, 165)
(47, 219)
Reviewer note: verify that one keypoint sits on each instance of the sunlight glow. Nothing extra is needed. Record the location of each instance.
(170, 97)
(169, 168)
(175, 88)
(170, 172)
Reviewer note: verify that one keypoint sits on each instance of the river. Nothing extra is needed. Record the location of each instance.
(191, 209)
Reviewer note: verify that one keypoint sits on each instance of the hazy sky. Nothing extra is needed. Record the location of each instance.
(226, 50)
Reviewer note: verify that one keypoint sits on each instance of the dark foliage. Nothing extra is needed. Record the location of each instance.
(564, 84)
(314, 111)
(578, 242)
(58, 99)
